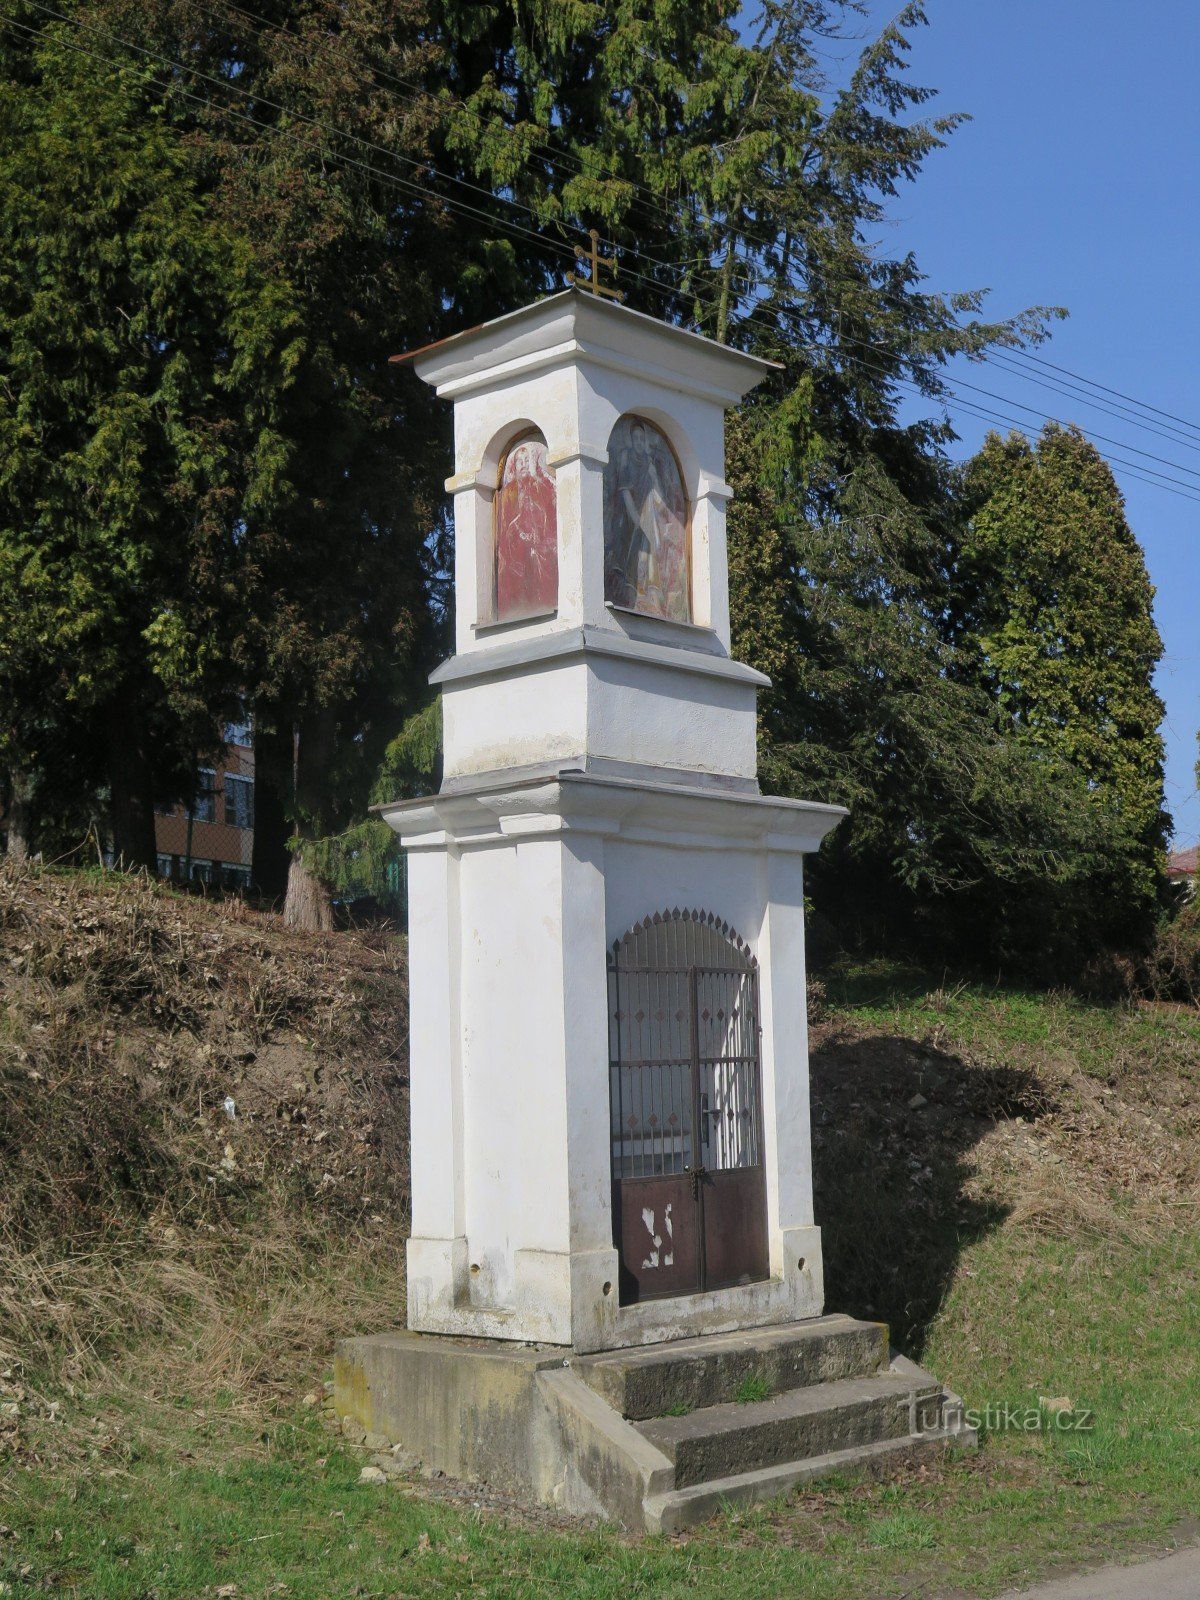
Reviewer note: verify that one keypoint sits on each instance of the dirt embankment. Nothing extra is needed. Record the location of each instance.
(204, 1149)
(203, 1139)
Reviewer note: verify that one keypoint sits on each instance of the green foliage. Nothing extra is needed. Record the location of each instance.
(412, 762)
(365, 860)
(209, 488)
(1058, 626)
(127, 315)
(754, 190)
(212, 487)
(1173, 967)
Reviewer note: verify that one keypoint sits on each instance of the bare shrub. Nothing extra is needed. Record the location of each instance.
(1173, 970)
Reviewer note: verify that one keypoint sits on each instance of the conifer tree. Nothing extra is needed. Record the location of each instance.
(357, 179)
(133, 331)
(1060, 630)
(210, 487)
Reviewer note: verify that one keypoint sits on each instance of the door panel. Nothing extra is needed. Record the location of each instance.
(658, 1237)
(734, 1227)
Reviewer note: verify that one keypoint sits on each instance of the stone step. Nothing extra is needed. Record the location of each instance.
(695, 1373)
(675, 1509)
(731, 1439)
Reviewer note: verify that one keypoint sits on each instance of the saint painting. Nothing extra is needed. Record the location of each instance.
(645, 524)
(526, 523)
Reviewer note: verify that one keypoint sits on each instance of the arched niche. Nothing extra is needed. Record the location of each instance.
(647, 522)
(685, 1108)
(524, 543)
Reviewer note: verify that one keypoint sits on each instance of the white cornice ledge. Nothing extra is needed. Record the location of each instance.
(548, 649)
(663, 814)
(485, 478)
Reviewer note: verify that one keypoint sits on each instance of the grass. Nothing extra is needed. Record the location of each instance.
(1009, 1178)
(991, 1023)
(753, 1388)
(275, 1508)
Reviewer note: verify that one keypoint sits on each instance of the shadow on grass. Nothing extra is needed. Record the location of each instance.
(893, 1124)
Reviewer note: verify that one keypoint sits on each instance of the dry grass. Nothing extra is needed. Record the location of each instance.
(1054, 1203)
(943, 1116)
(152, 1244)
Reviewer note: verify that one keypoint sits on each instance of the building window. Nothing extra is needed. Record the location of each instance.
(234, 877)
(240, 733)
(203, 871)
(164, 866)
(239, 801)
(205, 806)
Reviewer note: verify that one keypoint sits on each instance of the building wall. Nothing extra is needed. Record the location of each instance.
(221, 851)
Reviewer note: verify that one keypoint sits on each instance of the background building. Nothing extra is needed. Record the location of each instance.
(212, 841)
(1182, 868)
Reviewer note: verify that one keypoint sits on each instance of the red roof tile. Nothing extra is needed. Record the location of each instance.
(1184, 864)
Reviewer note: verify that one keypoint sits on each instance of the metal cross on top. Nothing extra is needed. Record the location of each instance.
(595, 260)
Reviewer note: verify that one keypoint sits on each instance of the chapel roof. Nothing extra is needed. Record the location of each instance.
(595, 306)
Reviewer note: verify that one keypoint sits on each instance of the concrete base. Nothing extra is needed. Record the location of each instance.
(557, 1296)
(657, 1438)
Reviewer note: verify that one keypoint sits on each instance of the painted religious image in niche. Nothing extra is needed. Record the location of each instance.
(645, 524)
(526, 530)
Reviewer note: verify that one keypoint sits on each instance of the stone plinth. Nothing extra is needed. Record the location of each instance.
(655, 1440)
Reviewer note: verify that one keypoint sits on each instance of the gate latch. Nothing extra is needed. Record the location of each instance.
(697, 1179)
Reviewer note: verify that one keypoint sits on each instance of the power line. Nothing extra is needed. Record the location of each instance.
(1076, 392)
(565, 161)
(1128, 469)
(561, 161)
(1006, 400)
(287, 111)
(1121, 444)
(331, 131)
(460, 207)
(1144, 404)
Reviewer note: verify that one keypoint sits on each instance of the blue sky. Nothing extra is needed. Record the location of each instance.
(1076, 184)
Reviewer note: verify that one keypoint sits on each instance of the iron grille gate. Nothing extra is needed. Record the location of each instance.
(689, 1187)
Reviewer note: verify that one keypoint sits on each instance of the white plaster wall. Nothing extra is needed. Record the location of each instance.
(645, 878)
(787, 1099)
(435, 1081)
(510, 925)
(585, 1007)
(671, 718)
(514, 1071)
(515, 720)
(606, 706)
